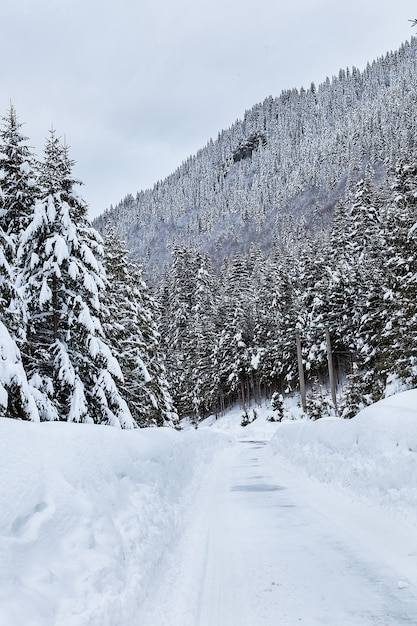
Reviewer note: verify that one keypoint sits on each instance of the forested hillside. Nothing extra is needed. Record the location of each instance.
(288, 242)
(300, 220)
(289, 157)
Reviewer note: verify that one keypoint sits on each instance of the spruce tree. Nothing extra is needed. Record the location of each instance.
(16, 395)
(234, 348)
(201, 339)
(18, 182)
(177, 305)
(63, 280)
(398, 361)
(131, 327)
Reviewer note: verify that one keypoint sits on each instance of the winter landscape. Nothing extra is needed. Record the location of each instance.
(208, 398)
(298, 522)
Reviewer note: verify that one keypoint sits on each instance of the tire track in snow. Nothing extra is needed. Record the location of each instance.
(259, 552)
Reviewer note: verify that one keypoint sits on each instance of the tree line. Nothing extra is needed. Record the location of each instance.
(231, 335)
(296, 155)
(78, 332)
(83, 338)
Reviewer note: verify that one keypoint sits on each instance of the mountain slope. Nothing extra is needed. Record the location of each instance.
(290, 157)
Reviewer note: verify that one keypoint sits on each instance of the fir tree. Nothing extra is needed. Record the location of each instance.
(16, 395)
(235, 338)
(200, 340)
(130, 325)
(176, 326)
(63, 279)
(277, 405)
(399, 349)
(18, 182)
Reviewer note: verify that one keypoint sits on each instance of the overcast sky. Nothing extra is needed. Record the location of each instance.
(137, 86)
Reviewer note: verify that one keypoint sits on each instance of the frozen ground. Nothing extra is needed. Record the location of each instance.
(292, 530)
(309, 523)
(86, 515)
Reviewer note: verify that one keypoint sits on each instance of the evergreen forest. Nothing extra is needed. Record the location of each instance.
(78, 343)
(293, 231)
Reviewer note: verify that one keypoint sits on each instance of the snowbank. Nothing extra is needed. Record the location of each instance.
(374, 454)
(86, 513)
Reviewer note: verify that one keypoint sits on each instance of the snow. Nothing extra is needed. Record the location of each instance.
(86, 513)
(73, 270)
(45, 293)
(61, 251)
(90, 283)
(89, 322)
(66, 371)
(79, 406)
(268, 544)
(89, 258)
(374, 454)
(12, 374)
(34, 260)
(255, 360)
(25, 168)
(275, 523)
(51, 209)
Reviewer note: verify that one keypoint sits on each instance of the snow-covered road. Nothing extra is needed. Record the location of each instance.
(265, 545)
(299, 522)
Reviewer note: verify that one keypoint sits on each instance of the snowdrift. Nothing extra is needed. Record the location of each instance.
(86, 513)
(374, 454)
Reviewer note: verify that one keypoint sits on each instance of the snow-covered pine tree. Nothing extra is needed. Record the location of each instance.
(313, 281)
(277, 405)
(63, 280)
(159, 388)
(131, 327)
(201, 340)
(364, 253)
(233, 351)
(398, 362)
(16, 395)
(266, 322)
(176, 309)
(18, 182)
(338, 287)
(17, 196)
(18, 192)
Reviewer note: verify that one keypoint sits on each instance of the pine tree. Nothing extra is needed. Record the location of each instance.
(200, 341)
(16, 395)
(63, 279)
(18, 192)
(159, 389)
(399, 345)
(176, 310)
(273, 298)
(354, 293)
(18, 182)
(277, 405)
(365, 248)
(131, 327)
(235, 337)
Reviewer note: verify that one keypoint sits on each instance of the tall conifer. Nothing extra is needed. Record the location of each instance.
(62, 279)
(131, 327)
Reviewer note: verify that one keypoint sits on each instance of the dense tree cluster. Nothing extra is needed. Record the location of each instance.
(298, 218)
(231, 335)
(68, 353)
(294, 155)
(299, 222)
